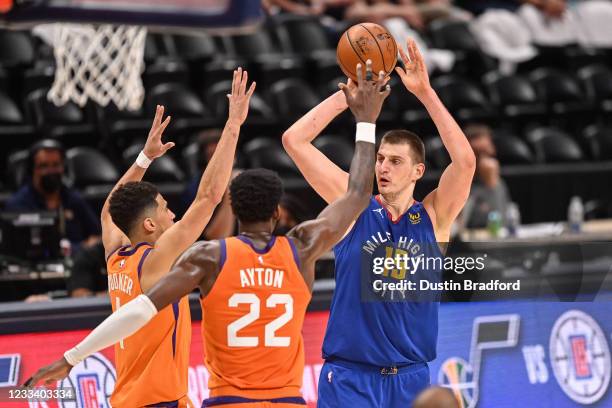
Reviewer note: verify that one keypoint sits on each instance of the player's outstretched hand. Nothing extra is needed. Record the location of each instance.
(366, 98)
(414, 75)
(50, 374)
(239, 98)
(154, 147)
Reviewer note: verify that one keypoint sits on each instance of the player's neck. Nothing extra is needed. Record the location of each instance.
(137, 238)
(256, 230)
(397, 203)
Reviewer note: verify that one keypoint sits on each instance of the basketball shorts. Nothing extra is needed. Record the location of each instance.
(345, 384)
(241, 402)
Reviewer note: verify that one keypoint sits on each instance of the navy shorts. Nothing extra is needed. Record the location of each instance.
(346, 384)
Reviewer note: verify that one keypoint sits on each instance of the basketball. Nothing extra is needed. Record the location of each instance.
(366, 41)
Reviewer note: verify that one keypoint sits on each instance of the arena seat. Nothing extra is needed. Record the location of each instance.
(269, 153)
(187, 110)
(307, 37)
(17, 168)
(68, 122)
(436, 153)
(292, 98)
(463, 98)
(597, 80)
(552, 145)
(165, 71)
(511, 149)
(16, 49)
(561, 91)
(88, 167)
(198, 48)
(163, 169)
(119, 128)
(515, 97)
(15, 132)
(456, 36)
(337, 149)
(599, 139)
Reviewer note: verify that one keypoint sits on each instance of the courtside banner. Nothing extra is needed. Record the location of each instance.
(499, 354)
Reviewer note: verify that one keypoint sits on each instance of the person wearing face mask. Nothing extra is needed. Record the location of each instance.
(44, 190)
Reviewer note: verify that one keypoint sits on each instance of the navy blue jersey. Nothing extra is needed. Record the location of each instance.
(381, 332)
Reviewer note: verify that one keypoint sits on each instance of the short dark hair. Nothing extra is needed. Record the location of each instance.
(400, 136)
(255, 195)
(44, 144)
(129, 202)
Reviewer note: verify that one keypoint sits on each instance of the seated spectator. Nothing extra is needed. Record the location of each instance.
(223, 221)
(489, 191)
(45, 190)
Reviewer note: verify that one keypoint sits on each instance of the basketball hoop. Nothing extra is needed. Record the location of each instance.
(102, 63)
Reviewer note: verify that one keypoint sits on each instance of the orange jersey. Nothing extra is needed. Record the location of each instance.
(252, 321)
(152, 364)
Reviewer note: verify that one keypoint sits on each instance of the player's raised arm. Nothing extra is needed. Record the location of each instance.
(192, 268)
(454, 187)
(112, 237)
(210, 191)
(313, 238)
(327, 179)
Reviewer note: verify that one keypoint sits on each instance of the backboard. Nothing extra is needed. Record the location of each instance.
(154, 14)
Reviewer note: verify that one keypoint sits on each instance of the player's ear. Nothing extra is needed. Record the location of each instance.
(149, 225)
(277, 212)
(419, 170)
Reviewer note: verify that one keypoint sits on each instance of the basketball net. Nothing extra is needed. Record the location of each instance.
(100, 63)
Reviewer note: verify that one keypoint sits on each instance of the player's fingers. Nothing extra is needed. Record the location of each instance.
(369, 75)
(359, 76)
(400, 72)
(403, 56)
(168, 146)
(251, 89)
(156, 118)
(386, 91)
(345, 89)
(234, 82)
(164, 124)
(243, 83)
(380, 81)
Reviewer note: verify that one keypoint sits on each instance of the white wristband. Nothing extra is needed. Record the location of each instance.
(143, 161)
(366, 132)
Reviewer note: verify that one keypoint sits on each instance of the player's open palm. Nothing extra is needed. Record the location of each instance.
(240, 97)
(365, 100)
(154, 147)
(50, 374)
(414, 75)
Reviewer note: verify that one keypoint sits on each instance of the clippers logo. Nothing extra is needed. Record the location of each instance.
(93, 381)
(579, 351)
(414, 218)
(580, 357)
(462, 377)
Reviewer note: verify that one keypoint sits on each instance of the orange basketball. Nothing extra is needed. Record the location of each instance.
(366, 41)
